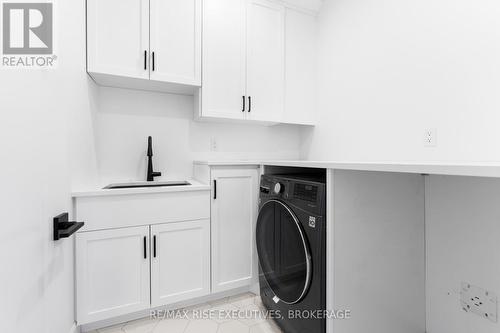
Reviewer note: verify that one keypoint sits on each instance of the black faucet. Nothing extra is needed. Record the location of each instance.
(151, 174)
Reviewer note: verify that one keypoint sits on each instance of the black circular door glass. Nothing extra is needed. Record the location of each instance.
(283, 252)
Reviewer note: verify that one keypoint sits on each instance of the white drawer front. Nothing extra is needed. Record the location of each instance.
(141, 209)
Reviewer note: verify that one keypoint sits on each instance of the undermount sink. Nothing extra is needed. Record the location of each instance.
(146, 184)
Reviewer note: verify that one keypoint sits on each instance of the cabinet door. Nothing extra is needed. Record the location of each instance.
(234, 211)
(112, 273)
(118, 37)
(176, 41)
(223, 59)
(300, 65)
(265, 59)
(180, 264)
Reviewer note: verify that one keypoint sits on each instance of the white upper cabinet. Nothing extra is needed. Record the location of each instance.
(257, 66)
(145, 44)
(118, 37)
(224, 59)
(265, 60)
(176, 41)
(253, 59)
(300, 67)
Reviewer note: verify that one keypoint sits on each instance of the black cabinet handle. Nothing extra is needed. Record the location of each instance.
(154, 246)
(215, 189)
(243, 98)
(249, 103)
(153, 56)
(145, 250)
(145, 60)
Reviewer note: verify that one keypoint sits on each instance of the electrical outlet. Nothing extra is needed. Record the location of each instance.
(213, 144)
(479, 301)
(430, 137)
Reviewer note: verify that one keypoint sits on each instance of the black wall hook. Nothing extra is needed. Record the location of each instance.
(63, 228)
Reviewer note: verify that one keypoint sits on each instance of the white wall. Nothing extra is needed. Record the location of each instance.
(378, 252)
(36, 106)
(125, 118)
(388, 69)
(463, 245)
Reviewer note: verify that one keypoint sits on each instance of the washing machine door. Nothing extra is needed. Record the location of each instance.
(283, 250)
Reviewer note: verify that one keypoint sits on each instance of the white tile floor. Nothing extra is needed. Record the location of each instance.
(246, 302)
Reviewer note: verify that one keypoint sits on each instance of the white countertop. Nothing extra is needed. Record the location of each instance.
(486, 169)
(99, 191)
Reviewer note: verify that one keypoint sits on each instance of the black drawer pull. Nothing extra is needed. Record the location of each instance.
(145, 249)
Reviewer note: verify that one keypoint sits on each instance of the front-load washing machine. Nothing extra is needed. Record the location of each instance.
(291, 245)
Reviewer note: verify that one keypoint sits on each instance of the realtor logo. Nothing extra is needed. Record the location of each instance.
(27, 34)
(27, 28)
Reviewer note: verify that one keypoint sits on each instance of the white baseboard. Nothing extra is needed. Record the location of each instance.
(255, 288)
(147, 313)
(74, 328)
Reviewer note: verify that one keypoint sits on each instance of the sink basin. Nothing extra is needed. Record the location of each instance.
(146, 184)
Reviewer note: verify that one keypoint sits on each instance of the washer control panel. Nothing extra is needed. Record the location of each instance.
(294, 190)
(274, 187)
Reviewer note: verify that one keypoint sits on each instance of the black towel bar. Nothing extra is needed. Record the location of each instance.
(63, 228)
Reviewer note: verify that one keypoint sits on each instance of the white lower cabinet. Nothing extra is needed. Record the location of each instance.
(142, 251)
(234, 213)
(180, 261)
(121, 271)
(112, 273)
